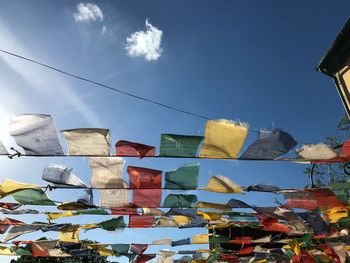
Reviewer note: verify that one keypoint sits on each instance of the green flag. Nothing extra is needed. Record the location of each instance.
(113, 224)
(180, 200)
(32, 197)
(179, 145)
(184, 177)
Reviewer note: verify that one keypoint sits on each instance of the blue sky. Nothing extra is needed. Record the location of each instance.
(251, 61)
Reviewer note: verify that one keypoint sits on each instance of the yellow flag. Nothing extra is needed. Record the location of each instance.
(9, 187)
(209, 215)
(181, 220)
(223, 139)
(53, 216)
(105, 252)
(6, 251)
(222, 184)
(70, 234)
(336, 213)
(200, 239)
(213, 206)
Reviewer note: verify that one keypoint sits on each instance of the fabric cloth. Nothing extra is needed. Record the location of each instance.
(152, 211)
(181, 242)
(262, 188)
(184, 177)
(3, 228)
(42, 248)
(53, 215)
(35, 133)
(311, 199)
(180, 200)
(69, 234)
(174, 145)
(165, 256)
(165, 221)
(61, 175)
(9, 206)
(196, 222)
(136, 221)
(105, 252)
(107, 172)
(19, 230)
(181, 220)
(144, 258)
(10, 221)
(9, 187)
(212, 216)
(114, 198)
(20, 212)
(190, 212)
(222, 184)
(223, 139)
(82, 252)
(87, 141)
(138, 248)
(200, 239)
(127, 211)
(113, 224)
(235, 203)
(140, 177)
(164, 241)
(269, 145)
(120, 249)
(316, 222)
(126, 148)
(334, 214)
(213, 206)
(316, 152)
(32, 197)
(146, 197)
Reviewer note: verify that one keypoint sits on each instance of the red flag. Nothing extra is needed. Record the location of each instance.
(126, 148)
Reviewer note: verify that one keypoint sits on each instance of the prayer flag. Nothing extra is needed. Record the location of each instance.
(61, 175)
(174, 145)
(180, 200)
(88, 141)
(126, 148)
(140, 177)
(32, 197)
(184, 177)
(222, 184)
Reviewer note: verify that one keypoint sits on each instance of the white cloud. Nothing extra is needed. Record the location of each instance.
(145, 43)
(88, 12)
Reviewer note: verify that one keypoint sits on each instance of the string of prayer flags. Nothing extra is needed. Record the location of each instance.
(223, 139)
(133, 149)
(222, 184)
(88, 141)
(32, 197)
(270, 145)
(35, 133)
(140, 177)
(61, 175)
(106, 172)
(9, 187)
(184, 177)
(316, 152)
(316, 222)
(180, 200)
(146, 197)
(174, 145)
